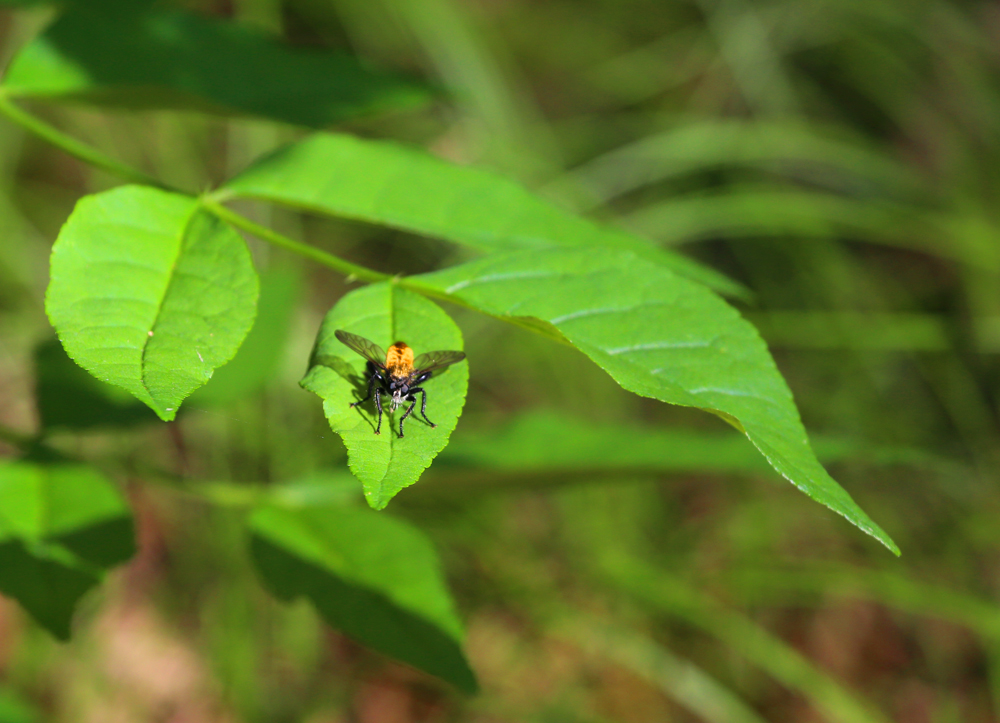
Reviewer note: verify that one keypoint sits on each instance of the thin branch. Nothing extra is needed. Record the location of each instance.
(336, 263)
(76, 148)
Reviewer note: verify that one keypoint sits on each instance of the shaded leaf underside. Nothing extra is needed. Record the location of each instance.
(138, 57)
(374, 577)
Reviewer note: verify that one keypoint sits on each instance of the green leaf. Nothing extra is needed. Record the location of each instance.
(60, 525)
(150, 293)
(171, 59)
(657, 335)
(393, 185)
(373, 577)
(385, 313)
(69, 397)
(260, 356)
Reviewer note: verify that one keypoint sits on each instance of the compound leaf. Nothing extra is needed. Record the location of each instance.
(373, 577)
(150, 293)
(385, 313)
(61, 525)
(130, 56)
(657, 335)
(393, 185)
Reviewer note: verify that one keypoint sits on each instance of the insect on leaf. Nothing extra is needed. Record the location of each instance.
(384, 313)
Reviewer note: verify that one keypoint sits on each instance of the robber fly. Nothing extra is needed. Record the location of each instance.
(397, 373)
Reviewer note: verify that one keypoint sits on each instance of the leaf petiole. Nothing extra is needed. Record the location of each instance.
(322, 257)
(75, 148)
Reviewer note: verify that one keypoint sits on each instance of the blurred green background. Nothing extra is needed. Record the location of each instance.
(614, 559)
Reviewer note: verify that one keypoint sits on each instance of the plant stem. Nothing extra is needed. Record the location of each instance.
(211, 202)
(327, 259)
(75, 148)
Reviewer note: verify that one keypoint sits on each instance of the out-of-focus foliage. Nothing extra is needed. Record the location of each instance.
(178, 59)
(835, 157)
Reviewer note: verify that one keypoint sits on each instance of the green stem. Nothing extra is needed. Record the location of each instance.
(327, 259)
(211, 202)
(74, 147)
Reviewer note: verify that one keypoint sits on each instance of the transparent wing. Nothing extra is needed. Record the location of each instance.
(436, 360)
(368, 349)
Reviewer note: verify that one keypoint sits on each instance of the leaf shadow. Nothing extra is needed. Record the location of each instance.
(350, 375)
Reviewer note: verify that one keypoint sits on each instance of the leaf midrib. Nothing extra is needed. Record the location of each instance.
(171, 277)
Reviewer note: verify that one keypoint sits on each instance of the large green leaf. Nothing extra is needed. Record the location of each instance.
(393, 185)
(659, 336)
(166, 59)
(374, 577)
(385, 313)
(150, 293)
(60, 526)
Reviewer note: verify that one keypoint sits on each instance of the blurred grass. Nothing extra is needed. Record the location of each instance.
(838, 157)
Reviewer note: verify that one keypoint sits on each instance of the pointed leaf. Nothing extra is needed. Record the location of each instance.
(659, 336)
(171, 59)
(150, 293)
(384, 313)
(60, 525)
(373, 577)
(392, 185)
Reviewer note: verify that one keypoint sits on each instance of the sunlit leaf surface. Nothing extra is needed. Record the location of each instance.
(393, 185)
(384, 313)
(659, 336)
(149, 293)
(373, 577)
(261, 353)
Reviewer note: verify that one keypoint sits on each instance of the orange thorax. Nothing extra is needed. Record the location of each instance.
(399, 360)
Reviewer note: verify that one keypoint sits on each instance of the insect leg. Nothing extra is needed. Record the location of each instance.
(423, 403)
(405, 415)
(378, 404)
(371, 385)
